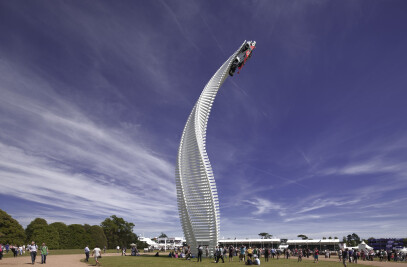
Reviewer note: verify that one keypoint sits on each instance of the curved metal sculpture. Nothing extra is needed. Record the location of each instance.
(197, 196)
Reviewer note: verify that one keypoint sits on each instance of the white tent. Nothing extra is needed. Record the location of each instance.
(404, 250)
(364, 246)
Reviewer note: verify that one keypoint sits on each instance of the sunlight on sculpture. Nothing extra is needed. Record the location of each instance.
(197, 196)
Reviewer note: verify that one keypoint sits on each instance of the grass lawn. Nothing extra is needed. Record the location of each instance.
(119, 261)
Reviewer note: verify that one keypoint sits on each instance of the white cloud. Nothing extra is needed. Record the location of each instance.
(51, 153)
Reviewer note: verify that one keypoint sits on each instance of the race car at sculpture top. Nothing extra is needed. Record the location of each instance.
(244, 54)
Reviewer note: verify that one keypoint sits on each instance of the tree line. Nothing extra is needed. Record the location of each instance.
(113, 231)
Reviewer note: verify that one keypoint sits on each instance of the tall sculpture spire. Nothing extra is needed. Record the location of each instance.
(197, 196)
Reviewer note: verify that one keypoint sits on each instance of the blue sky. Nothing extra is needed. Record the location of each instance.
(310, 138)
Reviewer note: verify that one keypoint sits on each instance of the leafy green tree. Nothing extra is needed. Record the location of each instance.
(118, 232)
(96, 236)
(265, 235)
(63, 233)
(11, 232)
(163, 235)
(77, 236)
(324, 237)
(46, 234)
(352, 240)
(303, 237)
(336, 237)
(35, 224)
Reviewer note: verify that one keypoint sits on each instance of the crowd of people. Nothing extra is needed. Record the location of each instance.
(353, 255)
(20, 250)
(248, 255)
(253, 255)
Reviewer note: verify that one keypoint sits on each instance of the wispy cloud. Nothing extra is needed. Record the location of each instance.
(60, 157)
(263, 206)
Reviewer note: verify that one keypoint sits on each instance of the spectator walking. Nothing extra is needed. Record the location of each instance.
(87, 250)
(316, 254)
(219, 254)
(345, 255)
(207, 251)
(44, 253)
(1, 251)
(299, 255)
(96, 253)
(33, 252)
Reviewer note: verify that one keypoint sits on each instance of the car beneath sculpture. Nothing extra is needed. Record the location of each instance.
(242, 57)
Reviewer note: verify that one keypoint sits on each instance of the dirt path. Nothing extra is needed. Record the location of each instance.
(72, 260)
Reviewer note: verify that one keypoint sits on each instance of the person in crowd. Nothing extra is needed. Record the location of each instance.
(316, 255)
(340, 255)
(1, 251)
(250, 253)
(266, 254)
(33, 252)
(355, 256)
(207, 251)
(44, 253)
(219, 254)
(87, 251)
(242, 256)
(345, 256)
(188, 253)
(256, 260)
(200, 252)
(231, 252)
(96, 253)
(299, 255)
(104, 249)
(14, 250)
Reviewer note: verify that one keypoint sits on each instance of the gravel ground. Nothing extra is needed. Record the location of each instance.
(52, 260)
(74, 260)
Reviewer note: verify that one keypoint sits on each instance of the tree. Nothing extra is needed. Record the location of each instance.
(336, 237)
(264, 235)
(96, 236)
(118, 232)
(330, 237)
(324, 237)
(35, 224)
(163, 235)
(46, 234)
(352, 240)
(63, 233)
(303, 237)
(11, 232)
(77, 236)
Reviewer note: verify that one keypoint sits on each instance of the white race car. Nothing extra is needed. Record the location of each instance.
(244, 54)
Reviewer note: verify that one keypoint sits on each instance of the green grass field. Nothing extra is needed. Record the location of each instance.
(119, 261)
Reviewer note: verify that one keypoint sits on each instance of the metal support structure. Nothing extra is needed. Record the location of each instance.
(197, 197)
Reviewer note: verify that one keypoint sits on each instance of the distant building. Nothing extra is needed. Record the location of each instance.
(322, 244)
